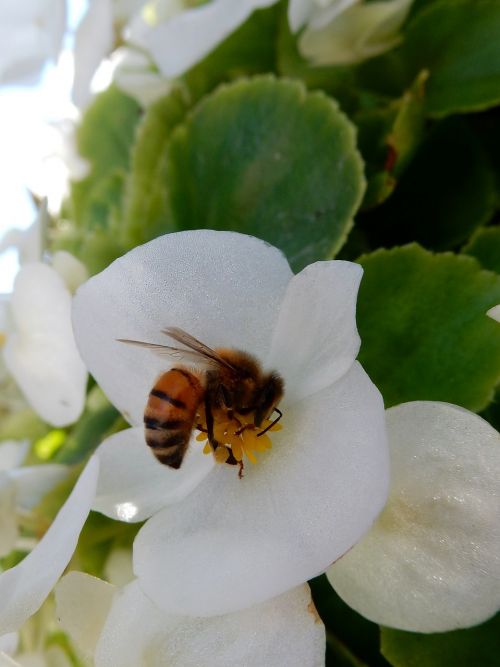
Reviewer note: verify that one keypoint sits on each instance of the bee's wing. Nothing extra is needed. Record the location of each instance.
(196, 345)
(174, 352)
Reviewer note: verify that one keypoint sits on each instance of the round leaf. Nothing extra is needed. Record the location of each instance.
(423, 326)
(146, 202)
(266, 158)
(458, 41)
(485, 246)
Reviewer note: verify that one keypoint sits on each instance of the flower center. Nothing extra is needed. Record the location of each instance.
(237, 436)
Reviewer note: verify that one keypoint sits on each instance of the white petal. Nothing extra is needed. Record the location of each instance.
(430, 562)
(82, 606)
(6, 661)
(298, 13)
(93, 41)
(494, 313)
(24, 587)
(233, 543)
(8, 519)
(283, 631)
(222, 287)
(361, 31)
(133, 485)
(30, 33)
(315, 340)
(9, 642)
(34, 482)
(72, 271)
(329, 11)
(178, 44)
(41, 354)
(118, 569)
(135, 75)
(13, 453)
(303, 11)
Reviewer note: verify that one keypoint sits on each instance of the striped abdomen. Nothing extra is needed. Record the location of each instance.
(170, 413)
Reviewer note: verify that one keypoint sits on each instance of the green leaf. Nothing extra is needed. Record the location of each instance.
(485, 246)
(462, 648)
(458, 41)
(446, 192)
(146, 201)
(104, 139)
(388, 138)
(267, 158)
(424, 330)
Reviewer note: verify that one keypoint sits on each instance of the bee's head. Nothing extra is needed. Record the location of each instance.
(269, 395)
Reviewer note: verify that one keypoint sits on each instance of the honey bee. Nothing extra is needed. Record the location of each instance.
(231, 381)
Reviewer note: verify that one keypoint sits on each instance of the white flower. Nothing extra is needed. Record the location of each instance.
(32, 645)
(21, 488)
(494, 313)
(301, 12)
(176, 40)
(121, 626)
(344, 32)
(24, 587)
(94, 41)
(136, 75)
(31, 33)
(233, 543)
(430, 562)
(39, 350)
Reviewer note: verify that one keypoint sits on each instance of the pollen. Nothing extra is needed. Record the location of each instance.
(237, 437)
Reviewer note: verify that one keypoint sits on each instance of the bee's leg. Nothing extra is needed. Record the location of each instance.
(280, 415)
(227, 400)
(210, 423)
(240, 471)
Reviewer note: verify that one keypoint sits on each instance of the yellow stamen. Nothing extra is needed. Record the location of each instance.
(221, 454)
(238, 436)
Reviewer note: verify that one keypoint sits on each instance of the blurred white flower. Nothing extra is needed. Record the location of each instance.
(135, 74)
(177, 37)
(49, 656)
(39, 348)
(161, 40)
(121, 626)
(24, 588)
(31, 33)
(301, 12)
(21, 488)
(102, 27)
(430, 562)
(494, 313)
(34, 646)
(232, 542)
(344, 32)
